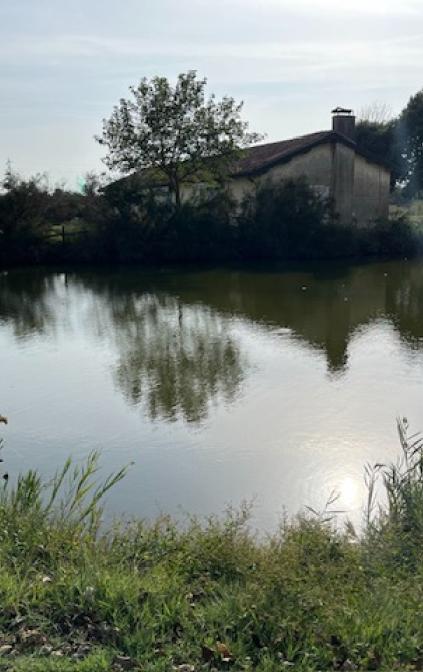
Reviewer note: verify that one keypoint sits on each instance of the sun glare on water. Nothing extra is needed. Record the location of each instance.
(349, 492)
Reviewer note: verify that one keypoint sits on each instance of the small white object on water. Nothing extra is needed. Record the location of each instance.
(345, 298)
(304, 288)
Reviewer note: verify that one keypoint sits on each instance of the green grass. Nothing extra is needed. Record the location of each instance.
(73, 228)
(413, 211)
(209, 595)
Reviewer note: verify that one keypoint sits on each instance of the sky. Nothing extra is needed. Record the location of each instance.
(64, 64)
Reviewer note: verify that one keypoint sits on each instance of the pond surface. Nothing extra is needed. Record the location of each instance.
(220, 386)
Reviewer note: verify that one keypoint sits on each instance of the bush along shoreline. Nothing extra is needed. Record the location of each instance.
(209, 595)
(125, 225)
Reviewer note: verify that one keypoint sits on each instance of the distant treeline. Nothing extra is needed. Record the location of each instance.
(122, 225)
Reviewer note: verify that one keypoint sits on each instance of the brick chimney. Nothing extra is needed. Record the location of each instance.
(343, 122)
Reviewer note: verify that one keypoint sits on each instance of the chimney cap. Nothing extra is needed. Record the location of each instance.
(341, 110)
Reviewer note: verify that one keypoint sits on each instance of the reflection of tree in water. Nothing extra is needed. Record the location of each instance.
(404, 301)
(25, 302)
(176, 360)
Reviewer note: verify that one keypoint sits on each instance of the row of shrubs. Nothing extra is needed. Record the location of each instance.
(123, 225)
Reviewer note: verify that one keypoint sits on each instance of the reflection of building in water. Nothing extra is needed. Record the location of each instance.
(324, 306)
(25, 302)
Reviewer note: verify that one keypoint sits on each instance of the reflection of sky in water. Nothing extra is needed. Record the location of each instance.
(219, 388)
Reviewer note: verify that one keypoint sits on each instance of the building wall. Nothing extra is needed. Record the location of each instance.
(241, 188)
(342, 186)
(371, 191)
(315, 166)
(195, 192)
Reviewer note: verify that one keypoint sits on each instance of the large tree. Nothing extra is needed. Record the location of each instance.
(410, 133)
(175, 131)
(376, 134)
(380, 140)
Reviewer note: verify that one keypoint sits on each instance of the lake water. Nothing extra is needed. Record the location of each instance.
(220, 386)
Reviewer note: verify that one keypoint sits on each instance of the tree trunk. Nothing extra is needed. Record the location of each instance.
(177, 194)
(175, 187)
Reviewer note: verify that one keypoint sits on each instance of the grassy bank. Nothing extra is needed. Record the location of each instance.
(209, 596)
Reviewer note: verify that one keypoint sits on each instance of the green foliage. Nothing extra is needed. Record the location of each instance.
(23, 218)
(395, 237)
(286, 221)
(410, 133)
(140, 227)
(395, 535)
(174, 131)
(379, 139)
(203, 232)
(398, 142)
(289, 221)
(72, 494)
(30, 213)
(135, 226)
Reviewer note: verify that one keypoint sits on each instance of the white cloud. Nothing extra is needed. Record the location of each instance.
(337, 7)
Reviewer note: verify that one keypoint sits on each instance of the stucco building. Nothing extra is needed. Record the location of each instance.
(332, 164)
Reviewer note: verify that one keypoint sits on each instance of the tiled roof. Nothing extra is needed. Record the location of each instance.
(261, 157)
